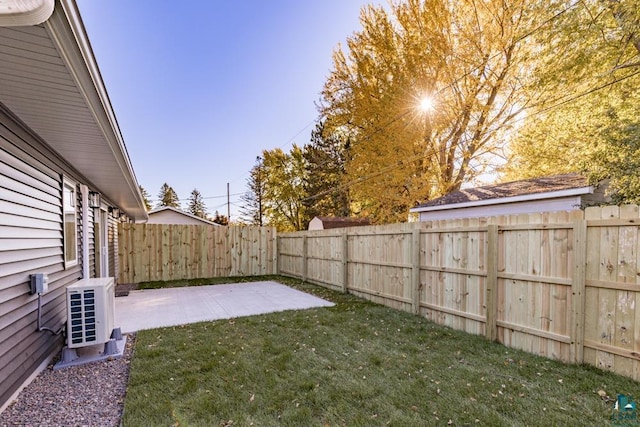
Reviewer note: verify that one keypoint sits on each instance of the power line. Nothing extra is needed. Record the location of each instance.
(289, 141)
(204, 198)
(442, 89)
(588, 92)
(430, 153)
(457, 80)
(450, 85)
(467, 73)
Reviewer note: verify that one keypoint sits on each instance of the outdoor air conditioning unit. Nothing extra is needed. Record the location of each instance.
(90, 312)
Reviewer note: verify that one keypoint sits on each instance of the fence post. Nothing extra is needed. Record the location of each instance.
(491, 328)
(578, 290)
(304, 258)
(276, 253)
(415, 271)
(345, 261)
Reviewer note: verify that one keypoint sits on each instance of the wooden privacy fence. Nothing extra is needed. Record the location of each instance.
(149, 252)
(562, 285)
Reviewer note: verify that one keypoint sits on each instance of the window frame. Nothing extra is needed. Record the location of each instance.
(69, 187)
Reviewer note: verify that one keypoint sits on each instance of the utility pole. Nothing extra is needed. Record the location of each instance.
(259, 160)
(228, 206)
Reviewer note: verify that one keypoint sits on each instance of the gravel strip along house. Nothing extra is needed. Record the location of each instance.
(66, 180)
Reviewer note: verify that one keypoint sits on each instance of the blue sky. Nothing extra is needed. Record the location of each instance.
(200, 88)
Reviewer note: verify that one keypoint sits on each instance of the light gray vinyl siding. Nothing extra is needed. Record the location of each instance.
(30, 242)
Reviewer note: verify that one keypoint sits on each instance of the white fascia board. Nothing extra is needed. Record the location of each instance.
(505, 200)
(17, 13)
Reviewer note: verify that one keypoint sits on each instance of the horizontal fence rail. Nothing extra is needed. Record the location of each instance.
(562, 285)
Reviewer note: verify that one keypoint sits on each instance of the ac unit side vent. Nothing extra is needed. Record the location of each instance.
(90, 312)
(83, 316)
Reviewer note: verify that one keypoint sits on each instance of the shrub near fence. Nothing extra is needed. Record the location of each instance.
(149, 252)
(562, 285)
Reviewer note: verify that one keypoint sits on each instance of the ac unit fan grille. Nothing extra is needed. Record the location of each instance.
(83, 316)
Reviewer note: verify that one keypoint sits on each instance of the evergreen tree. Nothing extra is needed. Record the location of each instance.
(325, 158)
(145, 197)
(168, 197)
(252, 208)
(196, 205)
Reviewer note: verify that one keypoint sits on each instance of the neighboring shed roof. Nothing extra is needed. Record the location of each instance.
(513, 189)
(339, 221)
(168, 215)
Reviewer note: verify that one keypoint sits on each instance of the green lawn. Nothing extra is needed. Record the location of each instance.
(356, 364)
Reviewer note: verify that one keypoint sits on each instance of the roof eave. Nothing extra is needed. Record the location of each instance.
(69, 35)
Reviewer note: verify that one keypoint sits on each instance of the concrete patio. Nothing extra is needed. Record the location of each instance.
(155, 308)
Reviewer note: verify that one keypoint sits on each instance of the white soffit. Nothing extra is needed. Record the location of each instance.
(25, 12)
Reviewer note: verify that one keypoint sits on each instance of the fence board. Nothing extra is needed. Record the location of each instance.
(150, 252)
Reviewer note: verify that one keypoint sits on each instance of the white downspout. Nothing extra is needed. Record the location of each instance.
(84, 190)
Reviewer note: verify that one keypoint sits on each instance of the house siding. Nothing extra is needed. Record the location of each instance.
(31, 241)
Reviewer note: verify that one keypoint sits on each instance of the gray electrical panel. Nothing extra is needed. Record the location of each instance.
(39, 283)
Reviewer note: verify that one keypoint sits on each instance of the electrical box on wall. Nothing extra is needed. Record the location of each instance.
(39, 283)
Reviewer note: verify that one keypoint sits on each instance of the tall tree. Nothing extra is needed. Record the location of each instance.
(470, 57)
(145, 198)
(252, 207)
(590, 61)
(168, 197)
(196, 205)
(325, 158)
(284, 189)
